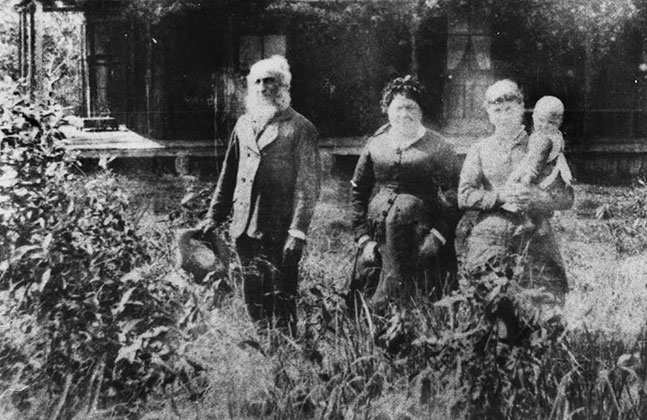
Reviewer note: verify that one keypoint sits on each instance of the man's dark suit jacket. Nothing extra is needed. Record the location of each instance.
(271, 179)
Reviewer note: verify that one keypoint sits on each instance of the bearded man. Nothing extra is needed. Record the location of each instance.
(271, 179)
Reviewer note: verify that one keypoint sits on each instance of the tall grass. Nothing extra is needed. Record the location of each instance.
(426, 361)
(423, 362)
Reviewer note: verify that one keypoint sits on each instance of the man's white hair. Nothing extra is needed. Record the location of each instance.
(262, 107)
(276, 65)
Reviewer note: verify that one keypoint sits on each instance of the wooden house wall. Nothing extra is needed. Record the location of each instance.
(197, 47)
(165, 80)
(160, 78)
(604, 97)
(339, 70)
(618, 99)
(176, 79)
(120, 75)
(339, 73)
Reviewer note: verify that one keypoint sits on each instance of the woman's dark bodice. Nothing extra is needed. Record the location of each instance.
(427, 168)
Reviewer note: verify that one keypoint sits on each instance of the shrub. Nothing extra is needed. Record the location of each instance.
(92, 318)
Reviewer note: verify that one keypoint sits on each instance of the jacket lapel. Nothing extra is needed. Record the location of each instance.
(271, 130)
(268, 135)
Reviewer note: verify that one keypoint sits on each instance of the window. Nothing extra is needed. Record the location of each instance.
(256, 47)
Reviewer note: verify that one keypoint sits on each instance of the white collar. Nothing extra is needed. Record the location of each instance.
(396, 139)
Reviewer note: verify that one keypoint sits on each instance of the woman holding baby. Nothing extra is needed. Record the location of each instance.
(512, 228)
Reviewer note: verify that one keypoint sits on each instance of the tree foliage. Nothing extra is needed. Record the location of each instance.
(555, 23)
(62, 58)
(86, 315)
(61, 52)
(563, 25)
(8, 39)
(155, 10)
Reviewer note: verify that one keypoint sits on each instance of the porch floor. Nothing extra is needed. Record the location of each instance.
(352, 146)
(126, 143)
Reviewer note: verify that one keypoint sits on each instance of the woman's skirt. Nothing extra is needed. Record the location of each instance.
(399, 223)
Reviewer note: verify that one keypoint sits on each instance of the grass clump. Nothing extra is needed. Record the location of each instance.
(96, 322)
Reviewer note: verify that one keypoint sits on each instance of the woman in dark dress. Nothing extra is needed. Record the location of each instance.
(404, 204)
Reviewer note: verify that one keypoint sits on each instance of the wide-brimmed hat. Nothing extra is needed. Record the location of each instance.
(201, 254)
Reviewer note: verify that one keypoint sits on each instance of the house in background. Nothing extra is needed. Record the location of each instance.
(180, 77)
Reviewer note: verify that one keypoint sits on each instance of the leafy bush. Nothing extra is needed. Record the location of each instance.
(92, 317)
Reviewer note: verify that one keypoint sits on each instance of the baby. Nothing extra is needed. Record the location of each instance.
(545, 160)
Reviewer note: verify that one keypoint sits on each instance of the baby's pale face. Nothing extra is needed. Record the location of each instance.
(545, 121)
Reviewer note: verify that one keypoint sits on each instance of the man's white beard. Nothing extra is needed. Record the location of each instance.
(264, 109)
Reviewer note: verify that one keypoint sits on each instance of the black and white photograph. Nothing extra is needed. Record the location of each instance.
(323, 209)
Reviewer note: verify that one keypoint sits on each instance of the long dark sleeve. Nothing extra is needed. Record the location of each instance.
(308, 182)
(361, 188)
(222, 199)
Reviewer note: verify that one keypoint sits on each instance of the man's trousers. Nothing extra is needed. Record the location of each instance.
(270, 282)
